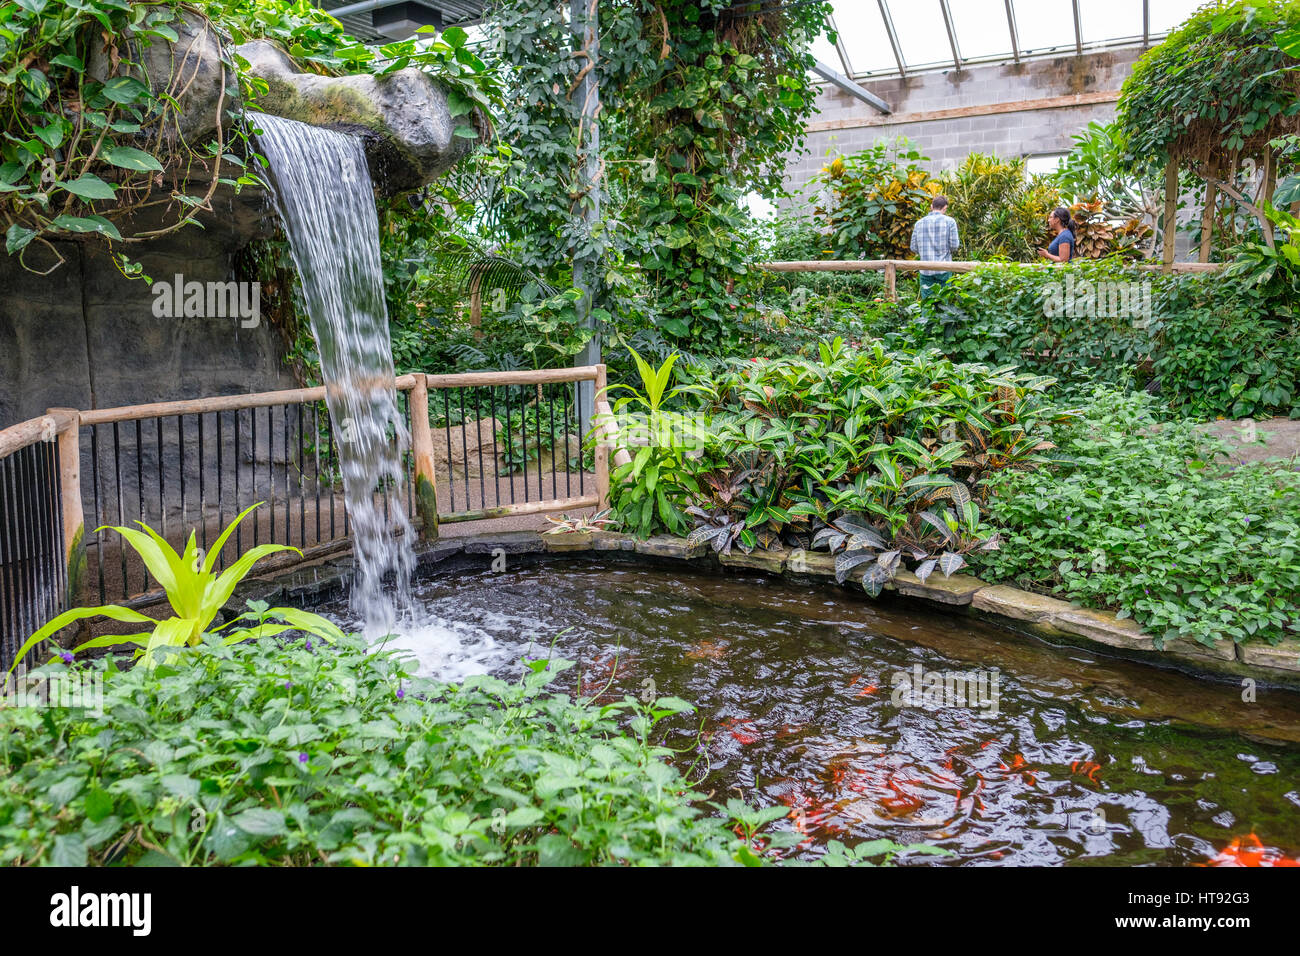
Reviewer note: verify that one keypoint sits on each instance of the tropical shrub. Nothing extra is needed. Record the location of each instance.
(649, 491)
(1152, 519)
(1209, 345)
(1000, 209)
(1043, 320)
(870, 200)
(1226, 347)
(294, 753)
(877, 454)
(196, 592)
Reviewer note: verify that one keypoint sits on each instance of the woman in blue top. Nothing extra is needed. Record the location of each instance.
(1062, 247)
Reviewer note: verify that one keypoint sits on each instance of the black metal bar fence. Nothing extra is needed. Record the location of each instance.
(497, 447)
(490, 444)
(33, 568)
(195, 472)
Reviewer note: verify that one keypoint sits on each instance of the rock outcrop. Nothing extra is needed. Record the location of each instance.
(403, 117)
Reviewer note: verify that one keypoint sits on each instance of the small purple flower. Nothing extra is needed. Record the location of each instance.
(309, 643)
(302, 758)
(1247, 519)
(67, 656)
(401, 692)
(288, 684)
(1146, 590)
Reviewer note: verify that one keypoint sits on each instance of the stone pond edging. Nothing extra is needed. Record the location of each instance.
(1018, 610)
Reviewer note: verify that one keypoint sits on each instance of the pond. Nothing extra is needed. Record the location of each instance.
(1052, 755)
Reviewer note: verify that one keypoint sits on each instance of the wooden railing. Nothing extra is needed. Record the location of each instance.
(192, 465)
(891, 267)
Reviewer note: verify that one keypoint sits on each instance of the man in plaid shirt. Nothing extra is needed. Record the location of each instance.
(934, 238)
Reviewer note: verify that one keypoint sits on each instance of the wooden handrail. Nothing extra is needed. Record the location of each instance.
(222, 403)
(582, 373)
(916, 265)
(16, 437)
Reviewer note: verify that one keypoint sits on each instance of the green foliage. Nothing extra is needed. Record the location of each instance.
(649, 491)
(1002, 210)
(700, 101)
(1148, 518)
(88, 140)
(196, 593)
(873, 198)
(1209, 346)
(1226, 347)
(288, 754)
(1216, 90)
(877, 454)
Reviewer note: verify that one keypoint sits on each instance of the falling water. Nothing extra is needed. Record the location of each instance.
(322, 188)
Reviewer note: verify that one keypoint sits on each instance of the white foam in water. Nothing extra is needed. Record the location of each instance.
(449, 649)
(446, 650)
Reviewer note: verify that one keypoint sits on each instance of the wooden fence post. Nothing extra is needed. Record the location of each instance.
(602, 444)
(891, 281)
(68, 435)
(1207, 221)
(426, 481)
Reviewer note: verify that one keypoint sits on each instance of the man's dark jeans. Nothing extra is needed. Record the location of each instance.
(930, 284)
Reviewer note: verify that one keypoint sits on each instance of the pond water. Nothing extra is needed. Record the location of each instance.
(1055, 756)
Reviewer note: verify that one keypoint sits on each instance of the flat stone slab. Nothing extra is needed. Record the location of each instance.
(817, 564)
(1284, 655)
(773, 562)
(668, 546)
(508, 542)
(1196, 651)
(1016, 604)
(570, 541)
(1103, 627)
(431, 552)
(959, 589)
(612, 541)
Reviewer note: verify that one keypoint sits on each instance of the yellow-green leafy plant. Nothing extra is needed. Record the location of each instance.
(196, 593)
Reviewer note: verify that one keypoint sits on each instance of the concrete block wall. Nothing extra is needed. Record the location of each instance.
(946, 141)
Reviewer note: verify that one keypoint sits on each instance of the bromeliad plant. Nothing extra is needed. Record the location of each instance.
(196, 593)
(653, 489)
(580, 524)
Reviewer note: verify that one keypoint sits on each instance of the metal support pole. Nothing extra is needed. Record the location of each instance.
(586, 37)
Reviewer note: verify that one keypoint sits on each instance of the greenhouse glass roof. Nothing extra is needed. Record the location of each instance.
(881, 38)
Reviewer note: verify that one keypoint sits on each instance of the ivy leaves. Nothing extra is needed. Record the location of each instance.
(1222, 84)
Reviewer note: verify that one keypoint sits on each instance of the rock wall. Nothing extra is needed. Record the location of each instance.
(85, 336)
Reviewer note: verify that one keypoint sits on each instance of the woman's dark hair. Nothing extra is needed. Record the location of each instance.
(1063, 217)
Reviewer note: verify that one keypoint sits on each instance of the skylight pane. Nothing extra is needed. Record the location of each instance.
(982, 29)
(863, 33)
(1044, 24)
(921, 34)
(824, 50)
(1168, 15)
(1106, 20)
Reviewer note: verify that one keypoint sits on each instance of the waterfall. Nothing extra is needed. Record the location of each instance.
(322, 189)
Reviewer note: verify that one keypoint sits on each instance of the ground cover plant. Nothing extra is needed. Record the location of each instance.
(1207, 346)
(296, 752)
(1156, 520)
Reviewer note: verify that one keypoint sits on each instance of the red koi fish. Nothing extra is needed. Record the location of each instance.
(1257, 854)
(1087, 768)
(745, 731)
